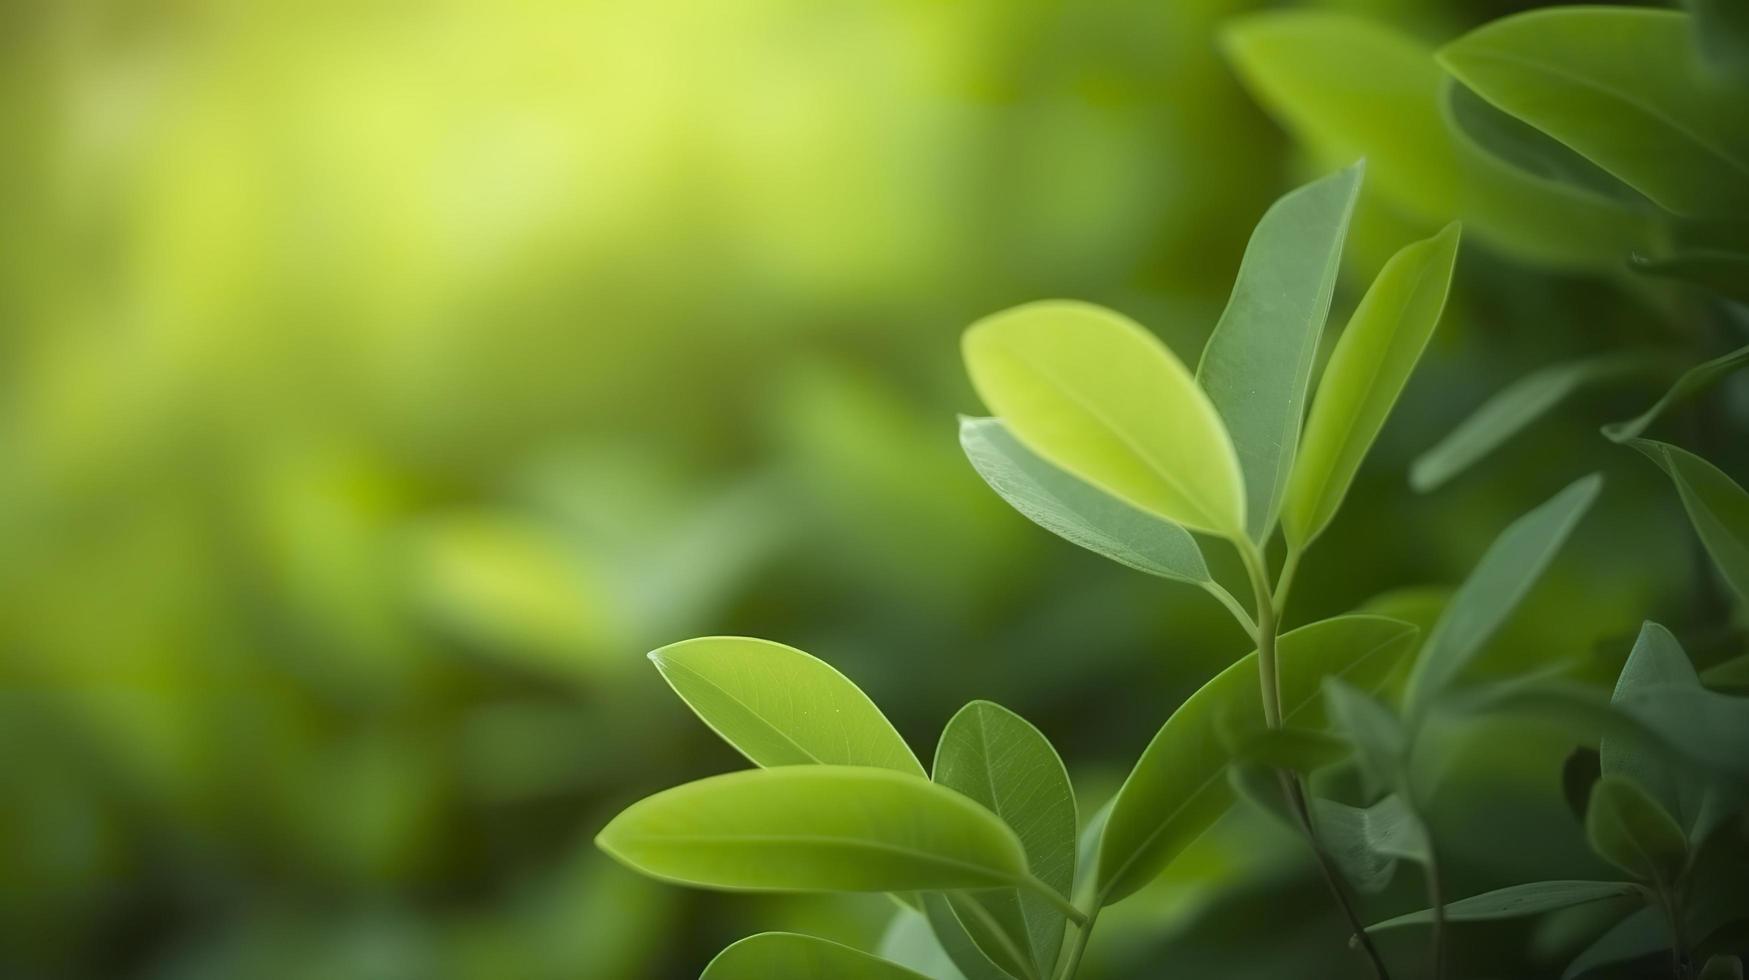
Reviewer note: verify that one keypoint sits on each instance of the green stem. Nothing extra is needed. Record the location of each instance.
(1226, 599)
(1289, 566)
(1078, 945)
(1061, 904)
(1436, 898)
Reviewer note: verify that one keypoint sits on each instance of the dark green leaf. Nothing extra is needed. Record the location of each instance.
(1721, 30)
(956, 935)
(1530, 149)
(779, 706)
(1631, 831)
(1529, 899)
(788, 956)
(1717, 507)
(1719, 270)
(1377, 736)
(1691, 795)
(1499, 582)
(995, 757)
(1722, 967)
(1078, 512)
(1639, 934)
(1257, 366)
(1366, 843)
(1179, 786)
(1694, 380)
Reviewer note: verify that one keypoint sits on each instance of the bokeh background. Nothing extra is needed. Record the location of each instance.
(380, 380)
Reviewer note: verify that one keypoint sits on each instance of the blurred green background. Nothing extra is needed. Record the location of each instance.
(379, 381)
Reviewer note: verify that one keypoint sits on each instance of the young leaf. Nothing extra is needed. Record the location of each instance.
(1625, 88)
(1348, 87)
(1512, 409)
(910, 943)
(1367, 371)
(789, 956)
(995, 757)
(1630, 830)
(779, 706)
(1657, 659)
(1077, 512)
(1498, 583)
(1722, 966)
(1694, 380)
(1530, 899)
(816, 828)
(1640, 933)
(1090, 391)
(1723, 271)
(1372, 729)
(1179, 787)
(1258, 362)
(1366, 843)
(1717, 507)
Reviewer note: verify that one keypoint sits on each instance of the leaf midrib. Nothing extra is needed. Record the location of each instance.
(848, 843)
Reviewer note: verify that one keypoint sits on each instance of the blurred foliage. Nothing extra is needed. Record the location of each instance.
(378, 382)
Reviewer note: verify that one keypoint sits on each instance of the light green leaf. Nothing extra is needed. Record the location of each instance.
(1530, 150)
(779, 706)
(1179, 786)
(1717, 507)
(816, 828)
(788, 956)
(1638, 934)
(1367, 371)
(1694, 380)
(1512, 409)
(1348, 86)
(1516, 901)
(910, 943)
(999, 760)
(1366, 843)
(1722, 966)
(1258, 362)
(1078, 512)
(1625, 88)
(1630, 830)
(1376, 734)
(1494, 588)
(1721, 270)
(1092, 392)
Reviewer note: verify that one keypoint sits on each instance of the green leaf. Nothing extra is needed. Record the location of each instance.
(788, 956)
(1348, 87)
(1376, 734)
(1694, 380)
(1723, 271)
(1706, 726)
(1731, 673)
(955, 933)
(1721, 30)
(1630, 830)
(995, 757)
(1077, 512)
(1295, 749)
(1092, 392)
(816, 828)
(1179, 786)
(1512, 409)
(1625, 88)
(1530, 150)
(779, 706)
(1722, 966)
(1367, 371)
(1516, 901)
(1366, 843)
(910, 943)
(1257, 365)
(1640, 933)
(1494, 589)
(1657, 660)
(1717, 507)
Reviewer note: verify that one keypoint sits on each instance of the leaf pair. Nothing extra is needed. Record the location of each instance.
(1091, 404)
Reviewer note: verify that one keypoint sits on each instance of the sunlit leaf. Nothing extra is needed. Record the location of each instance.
(1257, 366)
(1370, 365)
(1179, 786)
(1514, 408)
(788, 956)
(1350, 87)
(1494, 588)
(911, 943)
(1528, 899)
(1076, 511)
(1692, 381)
(779, 706)
(1090, 391)
(995, 757)
(1625, 88)
(816, 828)
(1631, 831)
(1717, 507)
(1367, 842)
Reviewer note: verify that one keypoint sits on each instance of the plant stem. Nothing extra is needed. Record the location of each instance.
(1078, 945)
(1436, 898)
(1062, 904)
(1269, 678)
